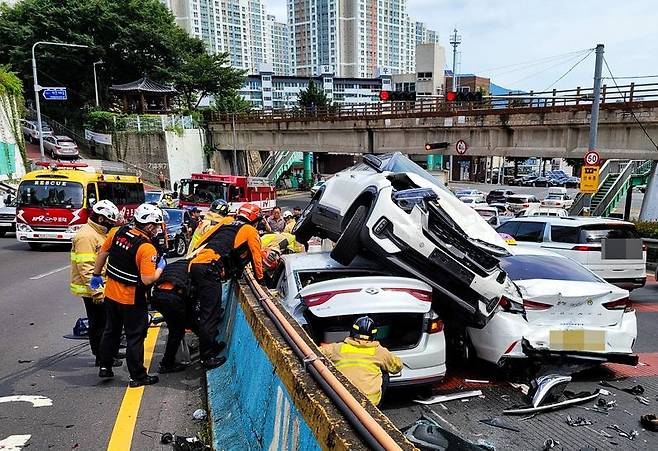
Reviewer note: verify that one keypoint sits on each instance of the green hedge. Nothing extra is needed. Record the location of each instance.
(647, 229)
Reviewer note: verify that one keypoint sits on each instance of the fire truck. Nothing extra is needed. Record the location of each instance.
(200, 190)
(54, 202)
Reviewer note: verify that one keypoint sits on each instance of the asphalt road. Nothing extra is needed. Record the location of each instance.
(37, 310)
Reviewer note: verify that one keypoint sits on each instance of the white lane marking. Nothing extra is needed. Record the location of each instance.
(14, 442)
(274, 446)
(46, 274)
(286, 424)
(36, 400)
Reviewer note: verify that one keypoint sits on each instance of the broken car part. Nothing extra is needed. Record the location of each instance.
(578, 421)
(650, 422)
(548, 388)
(571, 400)
(500, 423)
(622, 433)
(449, 397)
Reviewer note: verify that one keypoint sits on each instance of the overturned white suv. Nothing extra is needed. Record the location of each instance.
(390, 206)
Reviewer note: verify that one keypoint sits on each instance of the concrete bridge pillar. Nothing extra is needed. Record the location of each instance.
(649, 211)
(308, 164)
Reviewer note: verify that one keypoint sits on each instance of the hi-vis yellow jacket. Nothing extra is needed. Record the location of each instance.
(362, 362)
(84, 249)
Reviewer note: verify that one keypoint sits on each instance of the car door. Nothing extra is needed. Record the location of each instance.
(49, 143)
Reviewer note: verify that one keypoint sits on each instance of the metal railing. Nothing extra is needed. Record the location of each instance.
(627, 94)
(579, 201)
(616, 188)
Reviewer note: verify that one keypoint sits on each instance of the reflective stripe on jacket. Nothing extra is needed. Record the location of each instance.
(362, 362)
(85, 246)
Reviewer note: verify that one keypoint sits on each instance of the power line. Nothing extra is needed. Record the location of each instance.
(632, 77)
(630, 109)
(546, 69)
(570, 69)
(536, 61)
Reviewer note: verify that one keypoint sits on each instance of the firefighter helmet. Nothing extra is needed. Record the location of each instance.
(364, 328)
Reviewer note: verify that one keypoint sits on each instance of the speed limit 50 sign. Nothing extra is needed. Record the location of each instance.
(592, 158)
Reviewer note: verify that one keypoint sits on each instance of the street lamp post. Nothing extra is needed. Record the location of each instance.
(37, 88)
(96, 81)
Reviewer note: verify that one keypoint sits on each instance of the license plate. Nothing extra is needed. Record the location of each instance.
(577, 340)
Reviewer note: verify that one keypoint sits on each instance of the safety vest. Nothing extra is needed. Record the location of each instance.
(84, 247)
(121, 262)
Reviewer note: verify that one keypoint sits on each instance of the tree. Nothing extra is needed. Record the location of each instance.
(576, 165)
(201, 74)
(231, 102)
(131, 37)
(313, 98)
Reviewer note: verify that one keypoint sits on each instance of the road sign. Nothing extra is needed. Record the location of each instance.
(589, 179)
(592, 158)
(461, 147)
(54, 93)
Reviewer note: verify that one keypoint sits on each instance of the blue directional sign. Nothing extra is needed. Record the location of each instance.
(54, 93)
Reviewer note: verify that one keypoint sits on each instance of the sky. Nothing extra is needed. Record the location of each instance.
(530, 44)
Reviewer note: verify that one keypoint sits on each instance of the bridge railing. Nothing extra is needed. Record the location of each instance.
(429, 105)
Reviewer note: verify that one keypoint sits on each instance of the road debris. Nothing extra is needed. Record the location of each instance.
(607, 405)
(550, 444)
(570, 400)
(578, 421)
(199, 414)
(634, 390)
(650, 422)
(500, 423)
(428, 434)
(549, 388)
(622, 433)
(642, 400)
(449, 397)
(475, 381)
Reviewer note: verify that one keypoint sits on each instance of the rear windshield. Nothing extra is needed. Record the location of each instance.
(309, 277)
(595, 232)
(517, 200)
(527, 267)
(486, 213)
(496, 192)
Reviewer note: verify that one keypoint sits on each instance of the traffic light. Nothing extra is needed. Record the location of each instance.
(432, 146)
(452, 96)
(397, 96)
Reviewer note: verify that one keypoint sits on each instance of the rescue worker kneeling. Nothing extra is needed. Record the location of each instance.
(224, 250)
(132, 266)
(362, 359)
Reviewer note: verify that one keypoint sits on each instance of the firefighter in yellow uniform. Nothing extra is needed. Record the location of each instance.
(362, 359)
(218, 212)
(85, 245)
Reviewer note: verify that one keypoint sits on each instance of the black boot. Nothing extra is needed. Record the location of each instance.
(105, 372)
(213, 362)
(115, 363)
(146, 380)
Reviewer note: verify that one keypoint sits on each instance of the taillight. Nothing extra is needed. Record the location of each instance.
(586, 248)
(624, 304)
(435, 326)
(421, 295)
(526, 205)
(58, 147)
(644, 248)
(320, 298)
(534, 305)
(509, 349)
(505, 303)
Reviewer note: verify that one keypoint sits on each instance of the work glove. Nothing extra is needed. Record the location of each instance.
(99, 299)
(162, 263)
(96, 282)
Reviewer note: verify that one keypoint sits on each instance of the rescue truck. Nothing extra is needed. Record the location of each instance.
(200, 190)
(54, 202)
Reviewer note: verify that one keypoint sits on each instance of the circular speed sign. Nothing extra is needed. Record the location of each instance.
(592, 158)
(461, 147)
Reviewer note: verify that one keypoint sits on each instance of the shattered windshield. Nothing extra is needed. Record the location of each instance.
(400, 163)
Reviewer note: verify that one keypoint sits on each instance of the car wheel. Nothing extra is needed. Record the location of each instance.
(2, 233)
(304, 228)
(349, 243)
(180, 247)
(35, 246)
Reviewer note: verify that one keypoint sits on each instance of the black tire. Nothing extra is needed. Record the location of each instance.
(304, 228)
(35, 246)
(2, 233)
(180, 247)
(349, 244)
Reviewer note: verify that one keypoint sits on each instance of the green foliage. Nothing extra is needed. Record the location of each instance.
(313, 97)
(10, 84)
(231, 102)
(99, 120)
(647, 229)
(11, 101)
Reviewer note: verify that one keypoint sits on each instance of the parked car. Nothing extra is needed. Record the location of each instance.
(178, 231)
(490, 214)
(542, 211)
(60, 146)
(612, 249)
(498, 195)
(473, 200)
(572, 182)
(557, 308)
(8, 217)
(468, 193)
(557, 198)
(529, 180)
(518, 202)
(391, 207)
(316, 187)
(31, 130)
(501, 207)
(326, 297)
(541, 181)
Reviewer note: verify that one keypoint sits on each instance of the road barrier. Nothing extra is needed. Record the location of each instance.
(265, 397)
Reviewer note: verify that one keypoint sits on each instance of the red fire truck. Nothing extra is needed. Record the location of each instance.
(53, 203)
(202, 189)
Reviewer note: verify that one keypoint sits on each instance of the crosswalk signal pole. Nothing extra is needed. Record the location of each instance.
(594, 116)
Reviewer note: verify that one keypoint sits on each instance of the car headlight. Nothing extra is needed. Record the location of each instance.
(74, 228)
(406, 199)
(23, 227)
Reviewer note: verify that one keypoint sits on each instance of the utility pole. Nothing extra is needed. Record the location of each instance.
(235, 149)
(594, 116)
(96, 81)
(455, 40)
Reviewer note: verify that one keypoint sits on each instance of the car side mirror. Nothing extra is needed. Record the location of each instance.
(493, 221)
(373, 161)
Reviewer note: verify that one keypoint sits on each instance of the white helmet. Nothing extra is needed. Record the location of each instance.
(107, 209)
(287, 214)
(148, 214)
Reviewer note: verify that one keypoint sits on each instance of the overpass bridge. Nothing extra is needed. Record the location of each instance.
(543, 124)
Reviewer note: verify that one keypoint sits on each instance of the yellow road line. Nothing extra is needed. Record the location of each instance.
(124, 426)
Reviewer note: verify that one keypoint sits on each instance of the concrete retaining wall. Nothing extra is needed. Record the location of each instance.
(262, 398)
(11, 162)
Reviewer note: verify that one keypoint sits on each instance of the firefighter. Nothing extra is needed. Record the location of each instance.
(218, 212)
(224, 251)
(85, 245)
(132, 266)
(362, 359)
(290, 221)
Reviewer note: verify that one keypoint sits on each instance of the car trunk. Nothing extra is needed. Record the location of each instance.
(611, 244)
(575, 304)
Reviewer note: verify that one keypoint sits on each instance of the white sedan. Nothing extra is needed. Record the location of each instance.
(60, 146)
(326, 297)
(557, 308)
